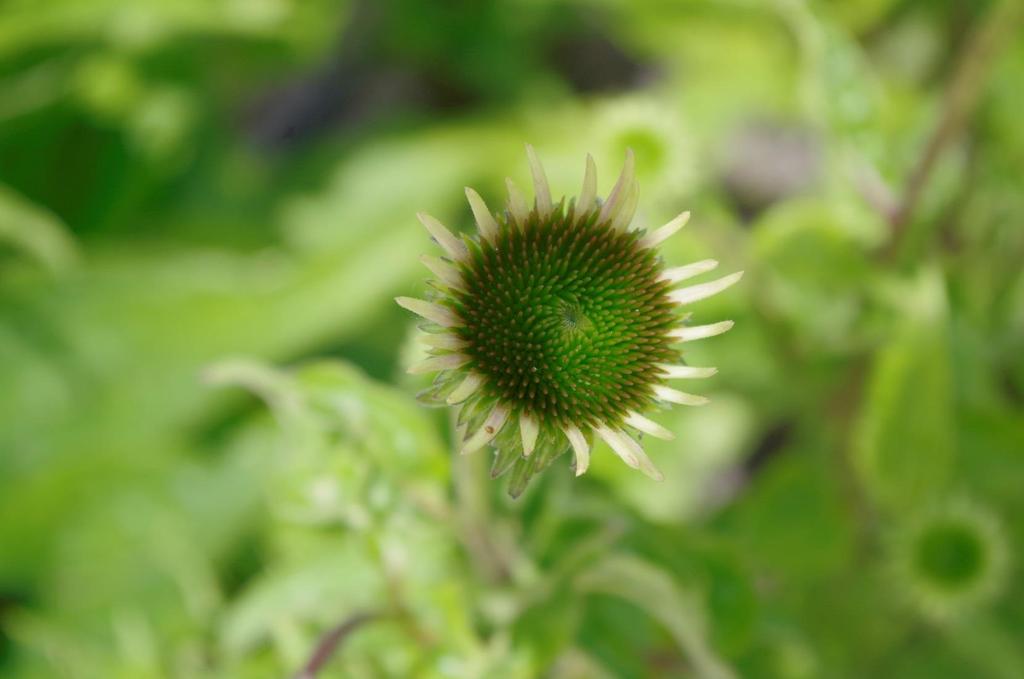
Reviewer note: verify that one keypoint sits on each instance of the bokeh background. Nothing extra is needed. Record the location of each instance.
(210, 454)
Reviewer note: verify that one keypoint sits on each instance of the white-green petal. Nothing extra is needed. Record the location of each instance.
(660, 234)
(436, 363)
(585, 202)
(579, 447)
(528, 429)
(516, 202)
(629, 451)
(455, 248)
(482, 214)
(663, 393)
(487, 431)
(689, 333)
(681, 273)
(638, 421)
(443, 340)
(625, 216)
(701, 291)
(542, 191)
(432, 312)
(686, 372)
(613, 205)
(466, 388)
(444, 271)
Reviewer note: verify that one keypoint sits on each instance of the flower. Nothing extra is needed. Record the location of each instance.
(557, 323)
(665, 150)
(950, 560)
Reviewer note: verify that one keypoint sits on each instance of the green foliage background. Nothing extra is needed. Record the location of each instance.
(210, 455)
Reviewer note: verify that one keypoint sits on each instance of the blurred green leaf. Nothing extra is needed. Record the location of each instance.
(792, 522)
(36, 231)
(906, 445)
(654, 591)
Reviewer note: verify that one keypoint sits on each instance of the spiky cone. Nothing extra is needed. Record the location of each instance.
(557, 324)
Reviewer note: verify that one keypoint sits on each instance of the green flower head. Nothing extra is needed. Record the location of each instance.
(951, 560)
(557, 322)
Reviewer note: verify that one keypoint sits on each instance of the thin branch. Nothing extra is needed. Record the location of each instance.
(965, 89)
(331, 641)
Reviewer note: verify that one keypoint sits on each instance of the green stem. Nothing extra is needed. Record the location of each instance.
(962, 95)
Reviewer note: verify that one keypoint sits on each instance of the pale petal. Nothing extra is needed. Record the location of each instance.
(465, 389)
(444, 271)
(615, 199)
(663, 232)
(681, 273)
(579, 446)
(585, 203)
(482, 214)
(443, 340)
(455, 248)
(625, 216)
(664, 393)
(516, 203)
(488, 430)
(695, 332)
(541, 189)
(686, 372)
(630, 451)
(528, 429)
(436, 363)
(430, 311)
(704, 290)
(638, 421)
